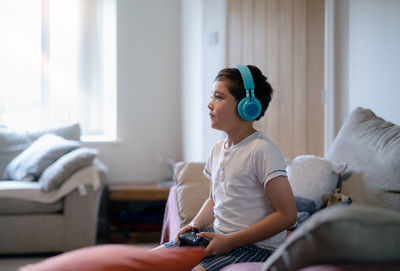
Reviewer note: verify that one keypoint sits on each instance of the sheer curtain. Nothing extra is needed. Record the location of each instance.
(59, 66)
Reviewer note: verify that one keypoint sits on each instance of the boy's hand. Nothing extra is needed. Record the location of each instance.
(219, 243)
(188, 227)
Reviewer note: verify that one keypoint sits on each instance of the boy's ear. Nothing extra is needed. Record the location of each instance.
(339, 168)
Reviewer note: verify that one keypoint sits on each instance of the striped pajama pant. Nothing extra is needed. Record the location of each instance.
(247, 253)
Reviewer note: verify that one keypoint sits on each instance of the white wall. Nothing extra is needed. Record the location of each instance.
(214, 52)
(366, 57)
(374, 57)
(168, 53)
(149, 97)
(192, 86)
(203, 55)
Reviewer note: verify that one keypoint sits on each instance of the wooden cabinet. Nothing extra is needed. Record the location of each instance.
(136, 212)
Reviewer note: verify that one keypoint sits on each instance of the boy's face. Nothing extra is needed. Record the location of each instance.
(222, 107)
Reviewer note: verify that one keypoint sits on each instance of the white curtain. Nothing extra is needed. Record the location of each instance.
(77, 69)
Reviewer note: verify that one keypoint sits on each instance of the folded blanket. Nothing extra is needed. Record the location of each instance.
(31, 191)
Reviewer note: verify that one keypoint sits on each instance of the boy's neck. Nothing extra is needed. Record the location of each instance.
(236, 136)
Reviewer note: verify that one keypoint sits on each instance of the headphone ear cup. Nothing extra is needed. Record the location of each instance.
(241, 107)
(249, 109)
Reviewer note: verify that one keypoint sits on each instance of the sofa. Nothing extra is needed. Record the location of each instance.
(359, 236)
(50, 191)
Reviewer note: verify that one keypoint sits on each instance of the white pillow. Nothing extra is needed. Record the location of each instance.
(53, 176)
(30, 163)
(13, 142)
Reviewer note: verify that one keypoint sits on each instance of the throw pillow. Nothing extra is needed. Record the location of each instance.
(30, 163)
(371, 147)
(53, 176)
(121, 258)
(341, 234)
(13, 142)
(192, 189)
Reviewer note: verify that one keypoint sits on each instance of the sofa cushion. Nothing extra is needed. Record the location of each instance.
(11, 206)
(121, 258)
(13, 143)
(30, 163)
(371, 148)
(54, 175)
(192, 189)
(339, 234)
(92, 176)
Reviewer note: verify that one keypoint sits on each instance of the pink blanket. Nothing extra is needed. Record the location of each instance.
(171, 223)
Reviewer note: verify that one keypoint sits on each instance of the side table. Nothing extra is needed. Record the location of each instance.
(136, 212)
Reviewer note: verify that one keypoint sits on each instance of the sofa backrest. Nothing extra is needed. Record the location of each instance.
(192, 189)
(371, 147)
(13, 143)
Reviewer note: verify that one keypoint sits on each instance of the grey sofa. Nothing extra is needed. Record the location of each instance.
(41, 217)
(364, 235)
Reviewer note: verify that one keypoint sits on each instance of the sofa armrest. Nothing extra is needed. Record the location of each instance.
(81, 208)
(81, 216)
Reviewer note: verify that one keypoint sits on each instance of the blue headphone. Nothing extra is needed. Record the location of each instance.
(249, 108)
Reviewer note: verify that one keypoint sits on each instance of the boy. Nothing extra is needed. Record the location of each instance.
(251, 203)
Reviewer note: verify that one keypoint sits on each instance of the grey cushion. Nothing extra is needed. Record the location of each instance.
(11, 206)
(30, 163)
(53, 176)
(353, 234)
(13, 143)
(371, 147)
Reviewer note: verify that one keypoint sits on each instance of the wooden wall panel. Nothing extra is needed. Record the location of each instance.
(284, 38)
(315, 52)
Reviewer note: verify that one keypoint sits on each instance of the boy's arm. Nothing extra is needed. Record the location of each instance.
(281, 196)
(206, 214)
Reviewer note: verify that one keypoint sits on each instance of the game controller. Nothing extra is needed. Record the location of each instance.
(190, 239)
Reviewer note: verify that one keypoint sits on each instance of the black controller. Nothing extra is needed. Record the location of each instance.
(190, 239)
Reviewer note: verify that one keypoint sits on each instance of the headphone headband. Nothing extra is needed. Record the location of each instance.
(246, 76)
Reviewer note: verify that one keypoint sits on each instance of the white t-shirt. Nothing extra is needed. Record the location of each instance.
(239, 176)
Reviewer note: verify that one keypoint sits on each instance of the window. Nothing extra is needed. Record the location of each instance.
(58, 65)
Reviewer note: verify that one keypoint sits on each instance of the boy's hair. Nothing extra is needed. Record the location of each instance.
(233, 80)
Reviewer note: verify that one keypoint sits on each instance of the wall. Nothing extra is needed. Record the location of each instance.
(191, 80)
(149, 97)
(374, 57)
(166, 46)
(203, 55)
(366, 55)
(168, 53)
